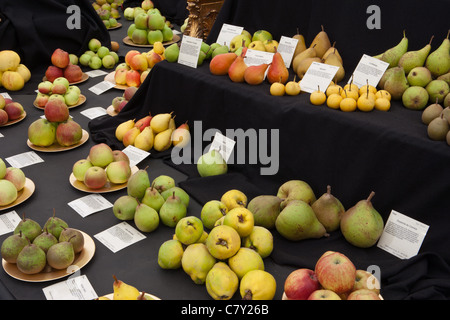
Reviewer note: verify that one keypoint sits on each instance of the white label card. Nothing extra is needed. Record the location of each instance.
(223, 145)
(318, 76)
(6, 95)
(96, 73)
(90, 204)
(101, 87)
(189, 51)
(286, 47)
(402, 236)
(369, 70)
(135, 155)
(227, 33)
(8, 222)
(24, 159)
(256, 57)
(74, 288)
(119, 236)
(95, 112)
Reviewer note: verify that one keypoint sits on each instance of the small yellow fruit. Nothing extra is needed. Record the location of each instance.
(318, 97)
(365, 103)
(333, 88)
(348, 105)
(382, 104)
(158, 47)
(383, 94)
(363, 89)
(351, 87)
(277, 89)
(334, 100)
(350, 93)
(293, 88)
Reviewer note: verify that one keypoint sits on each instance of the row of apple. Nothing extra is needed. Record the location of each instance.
(12, 182)
(59, 88)
(10, 110)
(13, 73)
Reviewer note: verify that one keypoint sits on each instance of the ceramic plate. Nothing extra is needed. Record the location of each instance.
(57, 148)
(81, 259)
(22, 195)
(110, 78)
(148, 295)
(81, 100)
(129, 42)
(115, 27)
(110, 110)
(84, 77)
(15, 121)
(109, 187)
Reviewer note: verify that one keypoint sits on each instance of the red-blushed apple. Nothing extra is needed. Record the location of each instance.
(3, 117)
(139, 62)
(45, 87)
(335, 272)
(153, 58)
(12, 80)
(118, 172)
(122, 65)
(16, 176)
(56, 111)
(133, 78)
(101, 155)
(144, 75)
(79, 169)
(2, 102)
(300, 284)
(129, 55)
(366, 280)
(129, 92)
(59, 88)
(61, 80)
(116, 103)
(119, 155)
(143, 122)
(120, 76)
(73, 73)
(14, 110)
(42, 133)
(122, 105)
(8, 192)
(363, 294)
(41, 99)
(95, 177)
(324, 294)
(68, 133)
(60, 58)
(56, 97)
(53, 73)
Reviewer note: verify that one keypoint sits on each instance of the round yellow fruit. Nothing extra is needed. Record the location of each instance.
(383, 94)
(334, 100)
(335, 88)
(382, 104)
(363, 89)
(9, 60)
(277, 89)
(365, 103)
(24, 72)
(350, 93)
(257, 285)
(348, 104)
(12, 80)
(292, 88)
(318, 97)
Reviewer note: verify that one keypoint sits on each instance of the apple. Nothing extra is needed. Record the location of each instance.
(95, 177)
(257, 45)
(41, 99)
(240, 219)
(116, 103)
(140, 20)
(123, 65)
(72, 96)
(73, 73)
(335, 272)
(56, 111)
(122, 105)
(2, 102)
(139, 62)
(262, 35)
(147, 5)
(14, 110)
(144, 75)
(84, 59)
(363, 294)
(300, 284)
(366, 280)
(42, 133)
(8, 192)
(73, 59)
(120, 76)
(56, 97)
(155, 20)
(189, 229)
(119, 155)
(133, 78)
(101, 155)
(2, 168)
(211, 164)
(118, 171)
(324, 294)
(3, 117)
(139, 36)
(129, 55)
(94, 44)
(153, 58)
(68, 133)
(53, 73)
(108, 61)
(129, 93)
(154, 36)
(45, 87)
(60, 58)
(59, 88)
(16, 176)
(12, 80)
(79, 169)
(95, 63)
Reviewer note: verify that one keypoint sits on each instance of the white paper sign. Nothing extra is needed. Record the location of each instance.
(95, 112)
(286, 47)
(189, 51)
(402, 236)
(90, 204)
(135, 155)
(257, 57)
(227, 33)
(6, 95)
(318, 76)
(24, 159)
(223, 145)
(96, 73)
(8, 222)
(369, 70)
(119, 236)
(74, 288)
(101, 87)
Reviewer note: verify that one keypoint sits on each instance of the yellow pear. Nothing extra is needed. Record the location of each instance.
(301, 45)
(333, 59)
(308, 53)
(160, 122)
(144, 140)
(123, 291)
(333, 49)
(293, 87)
(304, 65)
(123, 128)
(130, 136)
(321, 42)
(163, 140)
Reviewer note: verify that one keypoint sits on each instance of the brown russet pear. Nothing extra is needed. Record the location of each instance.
(277, 71)
(237, 68)
(61, 255)
(438, 128)
(328, 210)
(308, 53)
(334, 60)
(301, 45)
(220, 64)
(396, 84)
(393, 55)
(254, 75)
(304, 65)
(321, 42)
(31, 259)
(438, 62)
(412, 59)
(431, 112)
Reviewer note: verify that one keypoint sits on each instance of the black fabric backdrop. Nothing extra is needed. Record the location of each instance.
(353, 152)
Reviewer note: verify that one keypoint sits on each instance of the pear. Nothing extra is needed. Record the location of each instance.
(12, 246)
(172, 211)
(334, 60)
(31, 259)
(333, 49)
(146, 218)
(438, 62)
(55, 225)
(124, 207)
(221, 282)
(328, 210)
(412, 59)
(74, 236)
(431, 112)
(362, 225)
(123, 291)
(254, 75)
(438, 128)
(163, 140)
(437, 89)
(265, 209)
(29, 228)
(445, 77)
(219, 50)
(296, 190)
(396, 84)
(130, 136)
(144, 140)
(297, 221)
(197, 262)
(61, 255)
(393, 55)
(304, 65)
(301, 45)
(123, 128)
(384, 77)
(277, 71)
(163, 182)
(160, 122)
(181, 136)
(172, 52)
(178, 192)
(45, 240)
(308, 53)
(170, 253)
(138, 183)
(321, 42)
(153, 198)
(237, 68)
(220, 64)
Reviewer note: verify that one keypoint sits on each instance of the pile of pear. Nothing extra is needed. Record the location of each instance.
(12, 182)
(125, 291)
(223, 250)
(158, 132)
(34, 249)
(437, 119)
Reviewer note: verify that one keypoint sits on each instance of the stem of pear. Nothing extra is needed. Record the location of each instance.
(371, 195)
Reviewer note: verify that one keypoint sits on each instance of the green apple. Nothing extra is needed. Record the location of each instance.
(139, 36)
(42, 133)
(212, 211)
(167, 33)
(102, 52)
(140, 20)
(73, 59)
(124, 207)
(169, 254)
(101, 155)
(108, 61)
(84, 59)
(240, 219)
(79, 169)
(130, 30)
(2, 168)
(95, 63)
(71, 97)
(238, 41)
(94, 45)
(128, 13)
(154, 36)
(260, 240)
(189, 229)
(146, 218)
(155, 21)
(262, 35)
(118, 172)
(8, 192)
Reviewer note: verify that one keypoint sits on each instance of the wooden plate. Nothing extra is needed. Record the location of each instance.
(22, 195)
(84, 77)
(129, 42)
(81, 100)
(110, 78)
(81, 259)
(119, 25)
(110, 296)
(57, 148)
(110, 110)
(15, 121)
(109, 187)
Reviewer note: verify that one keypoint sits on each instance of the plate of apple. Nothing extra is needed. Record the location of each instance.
(15, 187)
(56, 146)
(11, 112)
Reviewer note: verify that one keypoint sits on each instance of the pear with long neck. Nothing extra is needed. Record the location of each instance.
(393, 55)
(438, 62)
(412, 59)
(237, 69)
(277, 70)
(254, 75)
(397, 83)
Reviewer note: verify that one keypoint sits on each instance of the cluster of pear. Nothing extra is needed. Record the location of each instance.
(351, 98)
(418, 77)
(12, 182)
(320, 50)
(13, 73)
(228, 258)
(35, 249)
(149, 203)
(125, 291)
(437, 119)
(158, 132)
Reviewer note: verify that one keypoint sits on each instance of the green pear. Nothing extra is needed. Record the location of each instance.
(172, 211)
(396, 84)
(431, 112)
(419, 76)
(221, 282)
(437, 89)
(362, 225)
(438, 128)
(74, 236)
(265, 209)
(211, 164)
(197, 261)
(55, 225)
(415, 98)
(146, 218)
(189, 229)
(245, 260)
(296, 190)
(31, 259)
(12, 246)
(178, 192)
(153, 198)
(219, 50)
(124, 207)
(138, 183)
(438, 62)
(413, 59)
(45, 240)
(170, 253)
(61, 255)
(328, 210)
(212, 211)
(172, 52)
(260, 240)
(445, 77)
(393, 55)
(29, 228)
(163, 183)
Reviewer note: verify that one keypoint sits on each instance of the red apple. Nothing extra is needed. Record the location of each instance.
(14, 110)
(59, 88)
(45, 87)
(119, 155)
(324, 294)
(73, 73)
(16, 176)
(68, 133)
(116, 103)
(56, 110)
(122, 105)
(363, 294)
(133, 78)
(300, 284)
(53, 72)
(41, 99)
(129, 55)
(101, 155)
(143, 122)
(129, 93)
(335, 272)
(60, 58)
(3, 117)
(95, 178)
